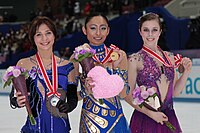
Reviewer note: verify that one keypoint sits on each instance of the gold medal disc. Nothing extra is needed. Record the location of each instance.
(114, 56)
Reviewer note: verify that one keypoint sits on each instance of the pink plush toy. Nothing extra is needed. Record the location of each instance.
(106, 85)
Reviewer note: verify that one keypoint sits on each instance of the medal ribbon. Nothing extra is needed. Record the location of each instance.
(177, 58)
(107, 52)
(158, 57)
(52, 88)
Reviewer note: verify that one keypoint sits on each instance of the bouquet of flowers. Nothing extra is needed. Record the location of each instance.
(83, 54)
(17, 75)
(143, 96)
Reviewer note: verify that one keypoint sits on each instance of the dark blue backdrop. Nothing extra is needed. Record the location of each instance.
(124, 34)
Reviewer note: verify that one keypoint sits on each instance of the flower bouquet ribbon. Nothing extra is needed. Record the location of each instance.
(17, 76)
(147, 97)
(105, 85)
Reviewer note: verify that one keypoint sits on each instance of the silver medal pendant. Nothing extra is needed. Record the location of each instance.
(54, 101)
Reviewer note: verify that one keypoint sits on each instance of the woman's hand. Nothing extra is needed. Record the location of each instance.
(89, 85)
(159, 117)
(187, 64)
(20, 99)
(121, 56)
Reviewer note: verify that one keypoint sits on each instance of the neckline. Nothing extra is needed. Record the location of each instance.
(100, 52)
(160, 73)
(99, 48)
(59, 67)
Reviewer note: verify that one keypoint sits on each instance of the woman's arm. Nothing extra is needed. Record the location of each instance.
(132, 75)
(180, 82)
(72, 100)
(80, 94)
(122, 65)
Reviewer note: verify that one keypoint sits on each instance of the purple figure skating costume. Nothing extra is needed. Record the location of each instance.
(141, 123)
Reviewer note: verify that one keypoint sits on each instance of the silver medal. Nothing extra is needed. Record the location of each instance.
(54, 101)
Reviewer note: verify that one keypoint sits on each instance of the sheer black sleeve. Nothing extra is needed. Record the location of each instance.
(13, 99)
(72, 98)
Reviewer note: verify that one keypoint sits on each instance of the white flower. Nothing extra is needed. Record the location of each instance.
(143, 88)
(85, 45)
(79, 48)
(10, 69)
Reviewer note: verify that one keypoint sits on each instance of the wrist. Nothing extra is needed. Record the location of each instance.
(149, 113)
(187, 73)
(83, 94)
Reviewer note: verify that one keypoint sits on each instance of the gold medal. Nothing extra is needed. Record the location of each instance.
(181, 68)
(114, 56)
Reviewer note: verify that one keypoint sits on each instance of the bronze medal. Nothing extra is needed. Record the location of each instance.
(181, 68)
(114, 56)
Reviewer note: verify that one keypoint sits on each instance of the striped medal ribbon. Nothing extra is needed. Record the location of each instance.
(51, 87)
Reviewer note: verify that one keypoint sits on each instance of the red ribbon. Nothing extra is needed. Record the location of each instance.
(52, 88)
(177, 58)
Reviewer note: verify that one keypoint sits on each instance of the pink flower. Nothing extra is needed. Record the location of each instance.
(13, 72)
(16, 72)
(141, 94)
(76, 56)
(93, 51)
(151, 91)
(144, 94)
(5, 77)
(82, 52)
(137, 101)
(136, 92)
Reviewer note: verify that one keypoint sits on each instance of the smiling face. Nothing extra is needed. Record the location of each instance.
(44, 38)
(96, 30)
(42, 32)
(150, 32)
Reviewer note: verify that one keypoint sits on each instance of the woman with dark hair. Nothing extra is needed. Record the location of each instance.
(109, 116)
(153, 67)
(51, 82)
